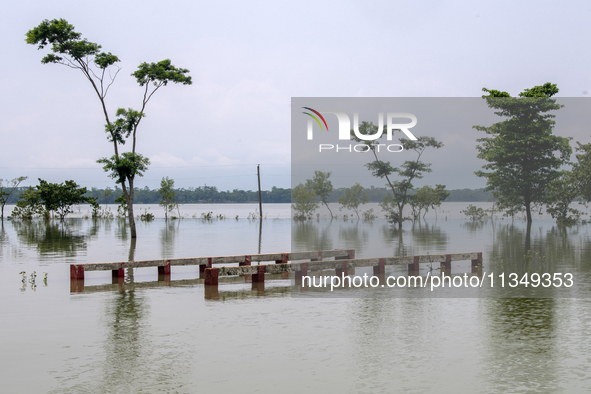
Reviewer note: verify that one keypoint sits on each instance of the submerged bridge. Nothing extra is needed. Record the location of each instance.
(343, 261)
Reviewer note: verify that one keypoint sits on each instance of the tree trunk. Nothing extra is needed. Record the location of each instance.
(528, 214)
(129, 198)
(400, 208)
(329, 210)
(131, 256)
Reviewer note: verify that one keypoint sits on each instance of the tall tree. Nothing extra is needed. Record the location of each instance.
(410, 170)
(99, 68)
(6, 190)
(321, 186)
(523, 155)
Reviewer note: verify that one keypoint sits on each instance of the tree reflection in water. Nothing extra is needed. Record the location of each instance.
(311, 235)
(126, 346)
(520, 344)
(52, 237)
(167, 238)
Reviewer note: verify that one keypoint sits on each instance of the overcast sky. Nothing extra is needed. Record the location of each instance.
(248, 59)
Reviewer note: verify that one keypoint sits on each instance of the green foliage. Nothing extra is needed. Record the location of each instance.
(167, 196)
(59, 198)
(427, 197)
(122, 208)
(125, 166)
(28, 206)
(65, 41)
(7, 187)
(101, 213)
(353, 198)
(305, 202)
(474, 213)
(161, 73)
(52, 197)
(146, 216)
(406, 173)
(126, 122)
(368, 215)
(562, 192)
(321, 187)
(582, 170)
(193, 195)
(523, 155)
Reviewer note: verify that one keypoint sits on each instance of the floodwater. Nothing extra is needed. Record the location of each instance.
(147, 335)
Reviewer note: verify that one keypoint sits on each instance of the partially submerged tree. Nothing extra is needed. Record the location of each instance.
(321, 186)
(353, 197)
(427, 197)
(562, 192)
(52, 197)
(410, 170)
(523, 155)
(28, 205)
(167, 196)
(305, 202)
(99, 68)
(475, 214)
(7, 187)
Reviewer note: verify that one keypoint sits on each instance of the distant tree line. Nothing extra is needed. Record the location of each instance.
(211, 195)
(192, 195)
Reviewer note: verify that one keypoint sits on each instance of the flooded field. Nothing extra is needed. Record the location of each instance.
(153, 336)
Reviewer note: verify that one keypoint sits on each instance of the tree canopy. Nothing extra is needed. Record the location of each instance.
(523, 155)
(52, 197)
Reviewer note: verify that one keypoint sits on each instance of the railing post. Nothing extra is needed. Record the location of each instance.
(413, 268)
(118, 273)
(211, 276)
(477, 264)
(380, 268)
(260, 276)
(202, 267)
(164, 270)
(344, 270)
(76, 272)
(349, 270)
(446, 265)
(303, 271)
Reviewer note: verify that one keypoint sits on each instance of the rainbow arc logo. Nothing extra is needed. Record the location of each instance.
(315, 118)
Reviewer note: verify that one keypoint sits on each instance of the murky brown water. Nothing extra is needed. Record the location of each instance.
(159, 337)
